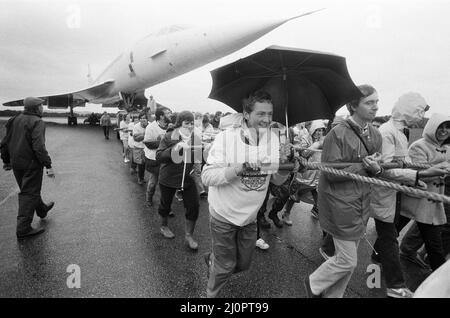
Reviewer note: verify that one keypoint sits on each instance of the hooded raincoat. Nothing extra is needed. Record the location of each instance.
(344, 203)
(409, 109)
(428, 149)
(311, 177)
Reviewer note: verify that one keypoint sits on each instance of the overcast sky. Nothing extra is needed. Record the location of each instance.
(396, 46)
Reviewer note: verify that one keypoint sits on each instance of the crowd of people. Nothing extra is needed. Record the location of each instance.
(235, 161)
(193, 155)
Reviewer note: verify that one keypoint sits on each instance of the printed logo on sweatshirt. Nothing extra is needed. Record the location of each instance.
(253, 180)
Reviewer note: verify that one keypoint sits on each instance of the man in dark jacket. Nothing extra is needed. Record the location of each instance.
(23, 149)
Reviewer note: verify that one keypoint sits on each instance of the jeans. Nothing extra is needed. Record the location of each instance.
(232, 252)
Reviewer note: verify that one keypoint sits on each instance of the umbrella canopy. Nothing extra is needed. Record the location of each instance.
(304, 85)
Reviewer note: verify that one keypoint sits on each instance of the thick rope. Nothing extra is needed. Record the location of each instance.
(386, 165)
(397, 187)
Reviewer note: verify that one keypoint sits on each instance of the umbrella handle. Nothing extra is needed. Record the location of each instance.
(184, 169)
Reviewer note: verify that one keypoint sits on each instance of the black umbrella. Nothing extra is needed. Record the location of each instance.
(304, 85)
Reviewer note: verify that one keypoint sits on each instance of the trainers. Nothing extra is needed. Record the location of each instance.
(309, 293)
(166, 232)
(126, 160)
(260, 243)
(324, 254)
(287, 219)
(171, 214)
(399, 292)
(315, 213)
(193, 245)
(204, 195)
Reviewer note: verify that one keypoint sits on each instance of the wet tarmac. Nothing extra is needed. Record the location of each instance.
(101, 226)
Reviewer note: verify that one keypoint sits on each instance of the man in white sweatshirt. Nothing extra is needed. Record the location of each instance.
(237, 188)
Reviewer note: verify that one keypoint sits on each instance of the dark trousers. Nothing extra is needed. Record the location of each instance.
(431, 235)
(261, 212)
(445, 235)
(386, 246)
(30, 184)
(190, 201)
(327, 244)
(141, 171)
(106, 131)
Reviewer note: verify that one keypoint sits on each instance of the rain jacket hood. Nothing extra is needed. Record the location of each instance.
(429, 132)
(409, 108)
(316, 124)
(231, 121)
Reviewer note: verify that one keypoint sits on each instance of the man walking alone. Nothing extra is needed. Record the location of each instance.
(23, 149)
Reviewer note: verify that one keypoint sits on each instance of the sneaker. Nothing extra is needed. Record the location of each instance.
(171, 214)
(287, 219)
(262, 244)
(399, 292)
(315, 213)
(166, 232)
(324, 254)
(263, 223)
(309, 293)
(193, 245)
(204, 195)
(126, 160)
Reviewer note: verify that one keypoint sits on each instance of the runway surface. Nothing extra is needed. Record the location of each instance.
(101, 225)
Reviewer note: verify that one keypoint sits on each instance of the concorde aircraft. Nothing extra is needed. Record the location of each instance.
(160, 56)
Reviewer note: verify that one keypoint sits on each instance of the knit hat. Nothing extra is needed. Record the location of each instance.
(32, 101)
